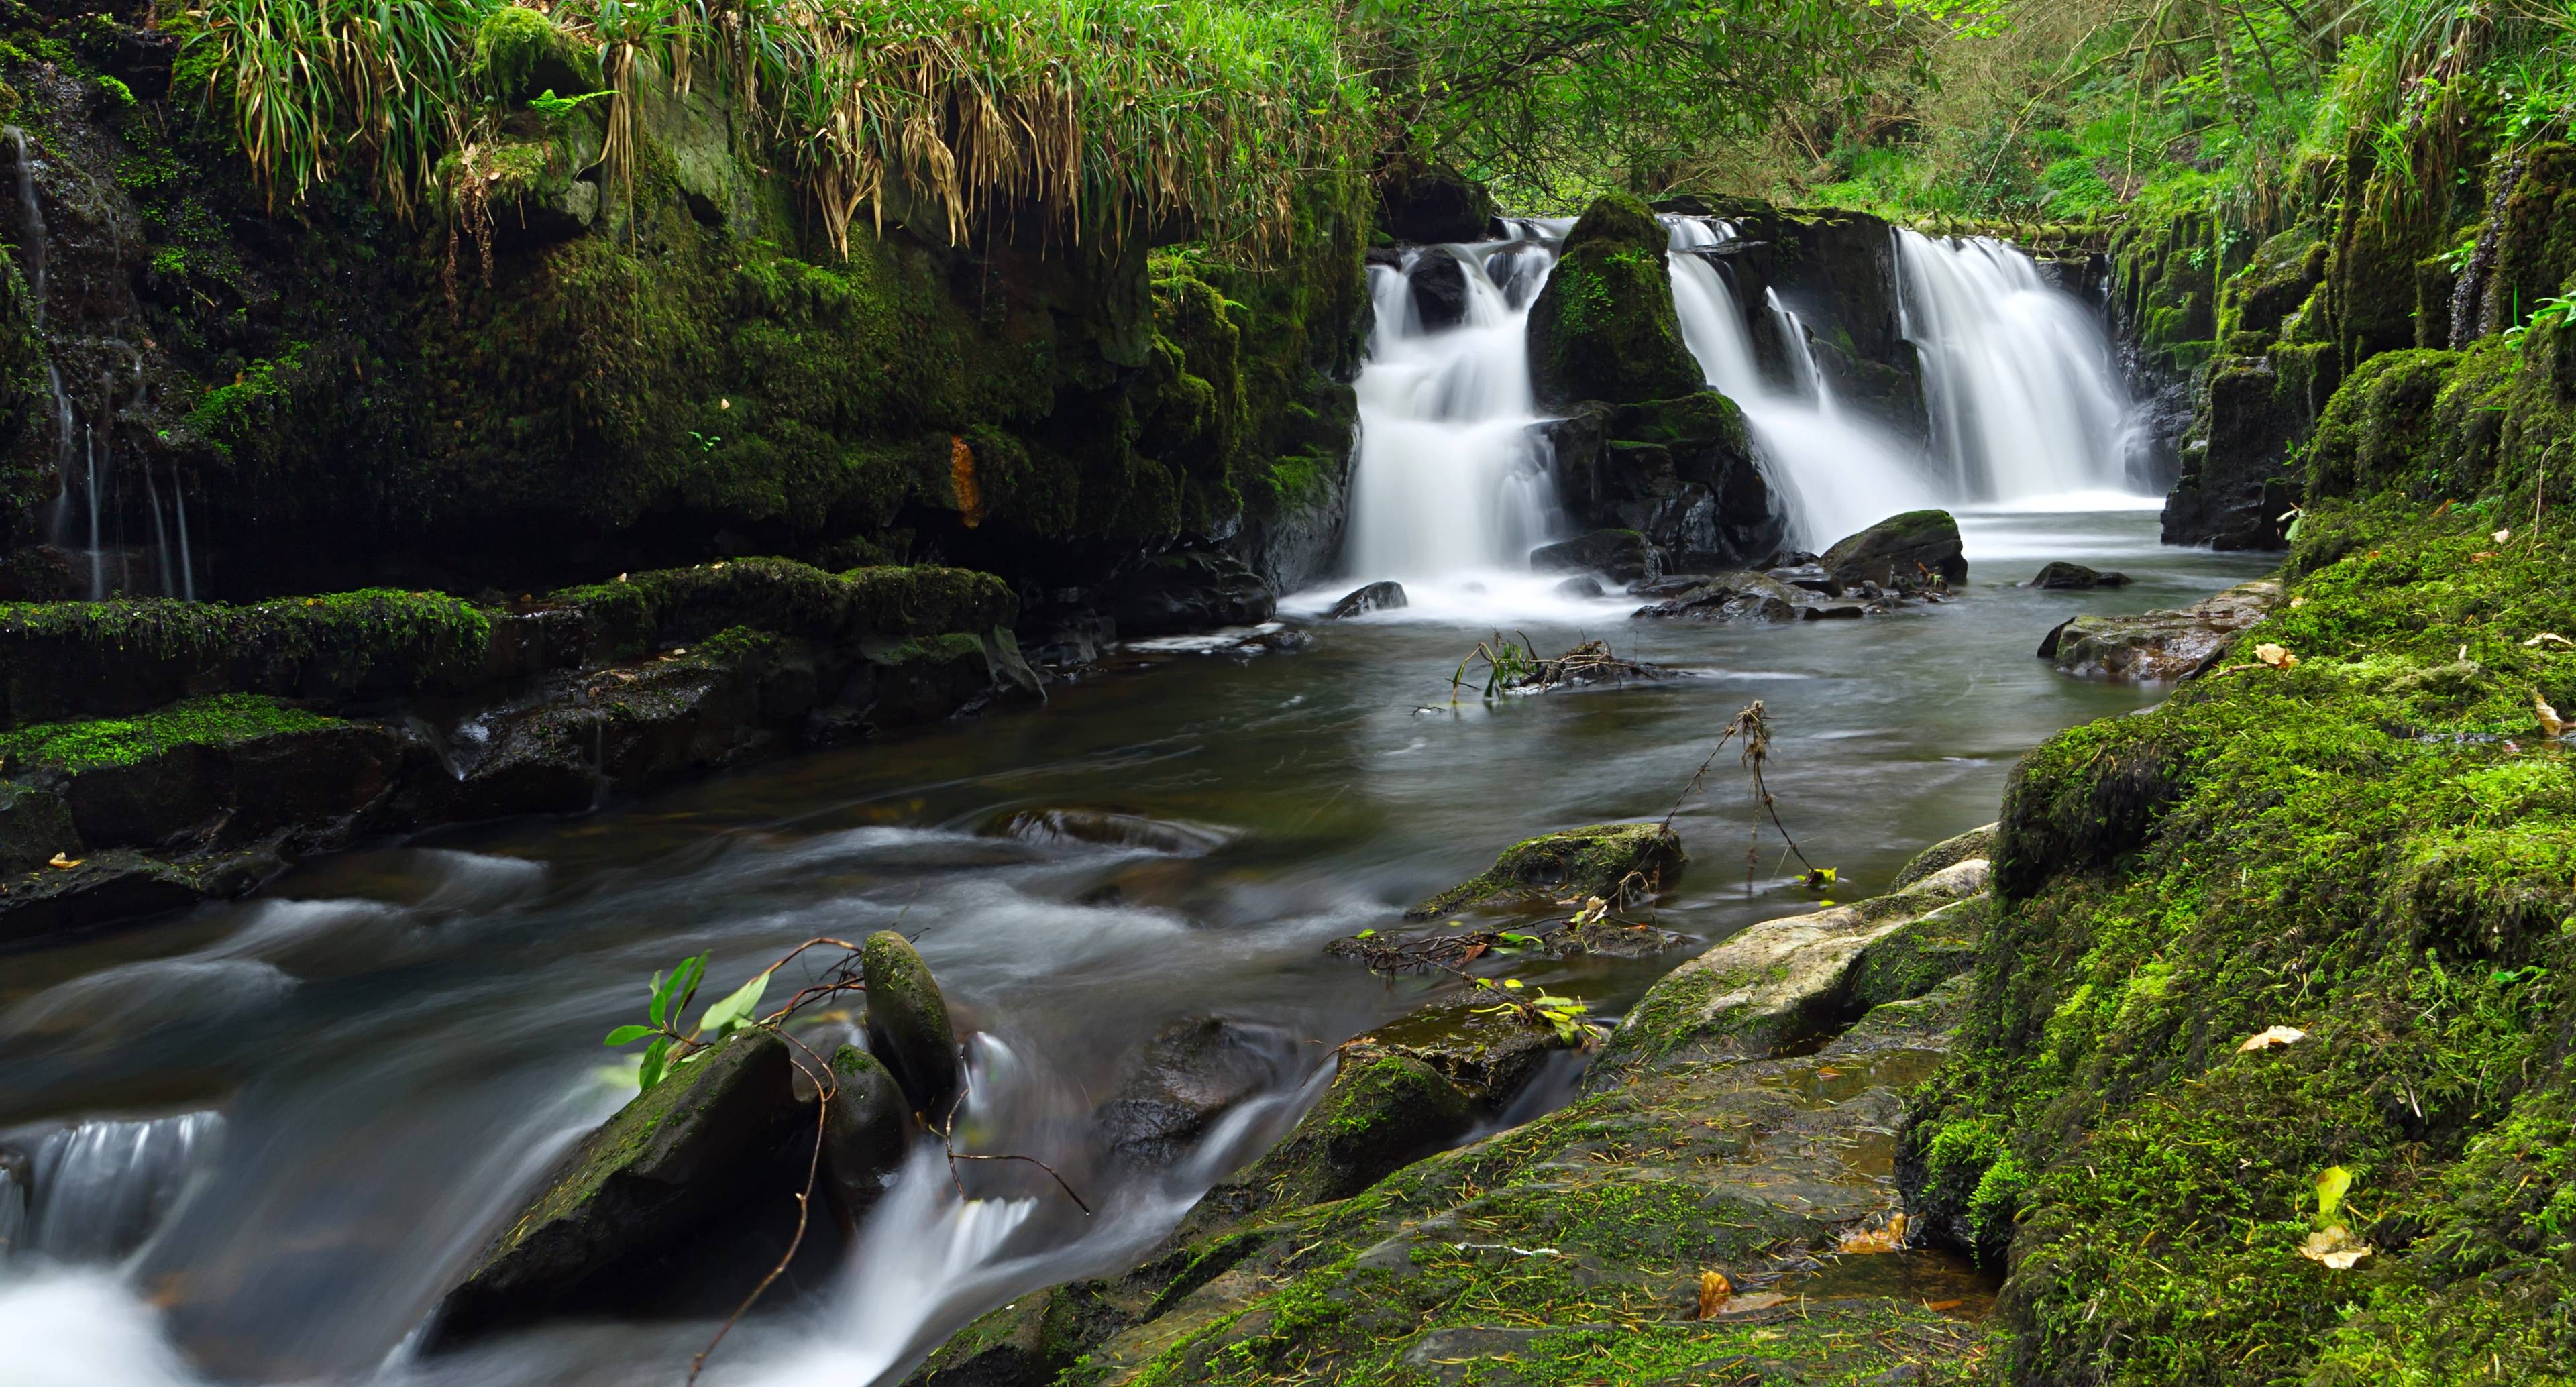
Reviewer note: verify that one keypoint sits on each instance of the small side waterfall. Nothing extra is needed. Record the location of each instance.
(2018, 377)
(1449, 478)
(97, 1191)
(1835, 474)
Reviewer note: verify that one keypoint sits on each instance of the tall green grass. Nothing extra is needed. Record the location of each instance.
(1108, 116)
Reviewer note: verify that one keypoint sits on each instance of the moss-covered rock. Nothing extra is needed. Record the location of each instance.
(867, 1131)
(1604, 327)
(703, 1141)
(1612, 861)
(908, 1026)
(1917, 548)
(1976, 842)
(2163, 644)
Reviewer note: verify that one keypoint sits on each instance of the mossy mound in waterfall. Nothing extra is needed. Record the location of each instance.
(1604, 328)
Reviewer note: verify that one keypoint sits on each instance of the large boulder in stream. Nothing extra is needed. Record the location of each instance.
(867, 1130)
(1613, 861)
(1604, 327)
(1438, 282)
(908, 1025)
(1622, 556)
(714, 1135)
(1189, 1075)
(1679, 472)
(1902, 551)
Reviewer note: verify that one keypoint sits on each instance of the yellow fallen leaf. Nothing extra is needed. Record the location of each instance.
(2277, 656)
(1714, 1291)
(2298, 601)
(64, 860)
(2502, 535)
(2270, 1036)
(2335, 1247)
(2550, 722)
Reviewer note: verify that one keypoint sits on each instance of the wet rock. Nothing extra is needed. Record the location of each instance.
(124, 884)
(867, 1131)
(2159, 645)
(1606, 860)
(1433, 203)
(1810, 575)
(1681, 472)
(1438, 283)
(908, 1026)
(1187, 1077)
(1976, 842)
(1902, 551)
(1105, 828)
(1624, 343)
(1172, 594)
(1775, 983)
(650, 1180)
(35, 826)
(1583, 585)
(1737, 598)
(2063, 575)
(1376, 597)
(1622, 556)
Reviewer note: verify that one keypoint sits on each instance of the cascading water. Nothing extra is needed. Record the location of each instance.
(95, 1192)
(2017, 375)
(1449, 479)
(1834, 474)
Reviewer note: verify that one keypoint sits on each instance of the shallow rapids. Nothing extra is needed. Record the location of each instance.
(395, 1043)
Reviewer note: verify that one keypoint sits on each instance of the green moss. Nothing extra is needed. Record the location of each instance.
(646, 611)
(1604, 328)
(68, 748)
(1592, 861)
(520, 53)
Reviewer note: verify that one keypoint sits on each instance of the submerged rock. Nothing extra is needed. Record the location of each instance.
(2159, 645)
(1106, 828)
(1187, 1077)
(2063, 575)
(1902, 551)
(649, 1181)
(1375, 597)
(908, 1026)
(1622, 556)
(1613, 861)
(1583, 585)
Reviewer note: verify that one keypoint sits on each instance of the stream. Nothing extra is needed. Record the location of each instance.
(264, 1137)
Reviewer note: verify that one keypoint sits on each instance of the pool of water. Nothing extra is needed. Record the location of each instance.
(397, 1041)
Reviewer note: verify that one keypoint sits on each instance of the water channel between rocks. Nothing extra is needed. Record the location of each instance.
(398, 1041)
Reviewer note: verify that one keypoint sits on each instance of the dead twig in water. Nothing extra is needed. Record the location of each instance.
(825, 1089)
(1753, 734)
(948, 1144)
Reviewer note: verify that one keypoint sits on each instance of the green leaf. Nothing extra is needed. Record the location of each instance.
(660, 1010)
(1366, 934)
(2332, 1182)
(651, 1072)
(628, 1035)
(736, 1007)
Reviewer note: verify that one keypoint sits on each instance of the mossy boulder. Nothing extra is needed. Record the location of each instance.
(520, 53)
(672, 1162)
(1613, 861)
(1917, 548)
(2160, 645)
(1431, 203)
(908, 1026)
(1604, 328)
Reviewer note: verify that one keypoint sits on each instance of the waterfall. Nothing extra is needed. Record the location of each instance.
(31, 219)
(97, 1191)
(1450, 479)
(2025, 402)
(1833, 473)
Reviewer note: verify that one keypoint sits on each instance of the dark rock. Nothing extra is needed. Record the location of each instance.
(1106, 828)
(2160, 645)
(1583, 586)
(2237, 481)
(1734, 597)
(1179, 593)
(123, 884)
(908, 1026)
(2076, 576)
(1604, 327)
(1439, 285)
(1376, 597)
(867, 1131)
(651, 1179)
(1597, 861)
(1902, 551)
(35, 825)
(1623, 556)
(1430, 204)
(1188, 1076)
(1681, 472)
(1811, 576)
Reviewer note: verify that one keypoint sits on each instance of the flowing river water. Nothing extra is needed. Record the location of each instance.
(264, 1137)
